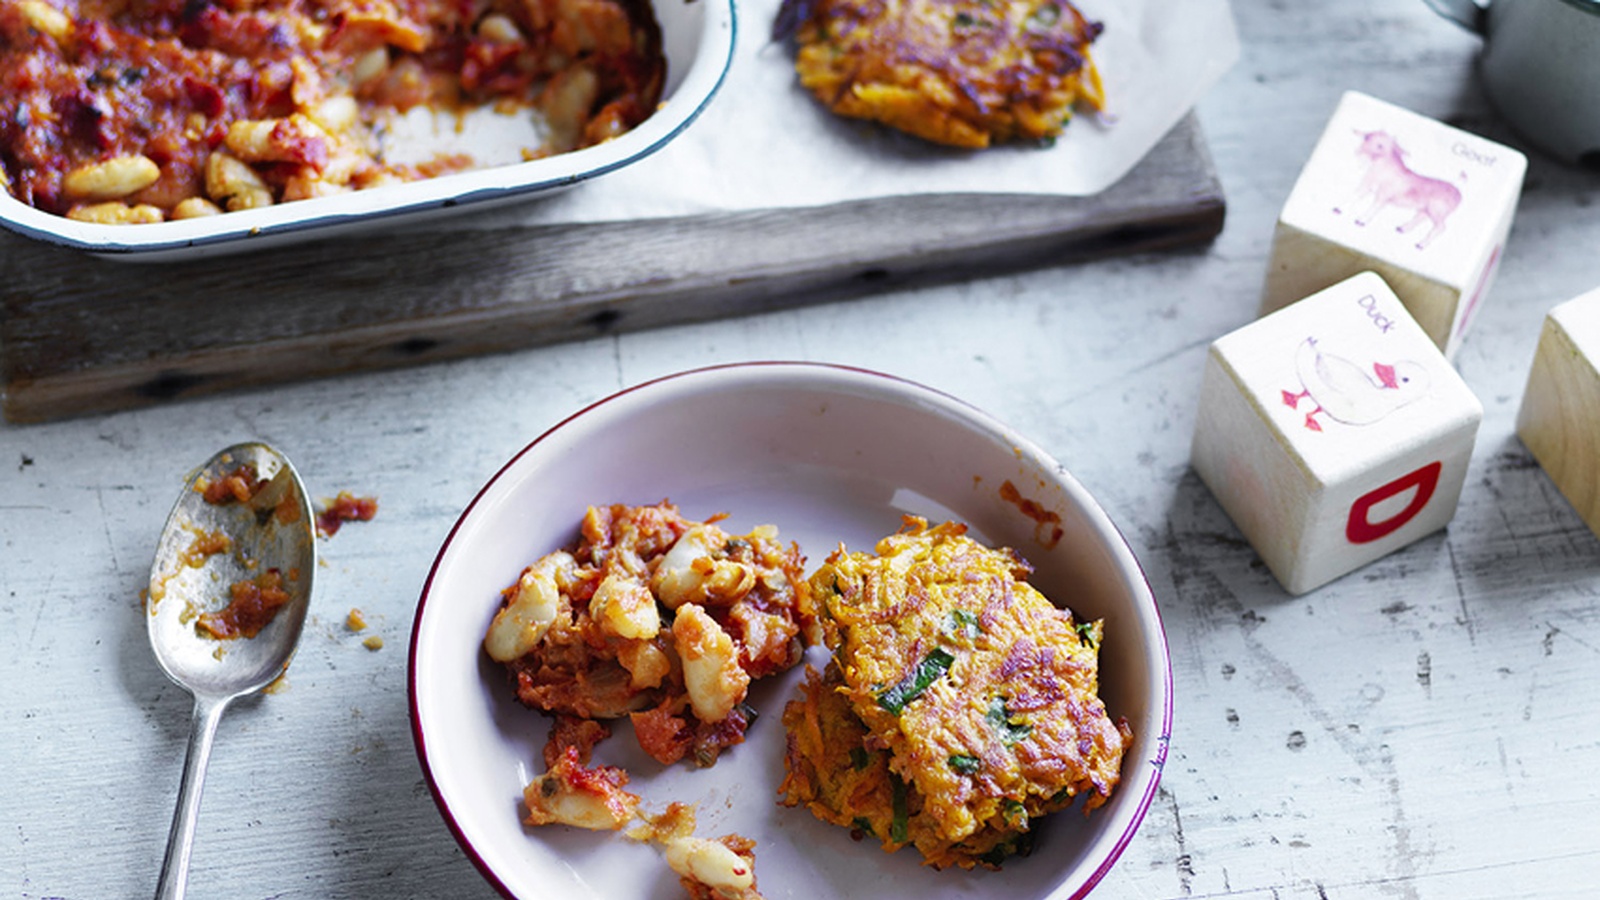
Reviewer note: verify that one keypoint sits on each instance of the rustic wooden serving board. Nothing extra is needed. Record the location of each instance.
(81, 334)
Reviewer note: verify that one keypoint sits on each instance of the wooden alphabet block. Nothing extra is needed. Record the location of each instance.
(1560, 416)
(1333, 432)
(1425, 205)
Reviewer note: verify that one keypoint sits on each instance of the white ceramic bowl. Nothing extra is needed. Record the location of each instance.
(697, 38)
(828, 455)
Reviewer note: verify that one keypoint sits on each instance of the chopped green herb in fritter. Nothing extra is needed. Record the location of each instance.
(964, 764)
(1086, 633)
(962, 623)
(1000, 718)
(909, 688)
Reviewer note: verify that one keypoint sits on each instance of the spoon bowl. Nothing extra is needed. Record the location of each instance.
(253, 528)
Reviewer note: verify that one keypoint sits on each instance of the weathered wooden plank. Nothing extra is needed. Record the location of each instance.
(82, 334)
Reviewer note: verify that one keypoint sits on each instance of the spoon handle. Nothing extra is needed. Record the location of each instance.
(180, 840)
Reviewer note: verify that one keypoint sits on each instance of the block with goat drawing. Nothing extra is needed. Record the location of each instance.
(1333, 432)
(1426, 206)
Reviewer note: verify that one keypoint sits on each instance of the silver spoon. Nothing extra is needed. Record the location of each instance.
(272, 530)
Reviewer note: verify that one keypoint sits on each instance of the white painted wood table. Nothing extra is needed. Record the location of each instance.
(1428, 727)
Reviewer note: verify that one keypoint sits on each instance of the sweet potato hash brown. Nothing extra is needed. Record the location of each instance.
(966, 73)
(959, 706)
(123, 111)
(658, 618)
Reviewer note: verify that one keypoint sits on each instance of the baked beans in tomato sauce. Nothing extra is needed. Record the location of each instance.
(146, 110)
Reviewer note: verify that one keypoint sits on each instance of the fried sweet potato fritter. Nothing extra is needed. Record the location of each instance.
(966, 73)
(960, 703)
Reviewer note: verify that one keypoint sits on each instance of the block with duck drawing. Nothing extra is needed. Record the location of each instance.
(1559, 420)
(1333, 432)
(1425, 205)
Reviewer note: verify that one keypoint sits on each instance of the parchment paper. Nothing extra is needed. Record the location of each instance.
(765, 142)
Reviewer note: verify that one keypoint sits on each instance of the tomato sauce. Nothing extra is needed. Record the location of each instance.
(85, 81)
(345, 508)
(253, 604)
(238, 485)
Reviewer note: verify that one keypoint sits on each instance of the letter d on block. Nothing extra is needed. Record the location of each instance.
(1360, 529)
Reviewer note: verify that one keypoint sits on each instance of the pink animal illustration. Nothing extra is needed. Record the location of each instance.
(1350, 393)
(1390, 182)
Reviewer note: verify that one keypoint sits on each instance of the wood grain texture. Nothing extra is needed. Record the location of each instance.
(1560, 416)
(1421, 729)
(82, 335)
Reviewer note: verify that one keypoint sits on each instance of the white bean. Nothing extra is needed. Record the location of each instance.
(111, 179)
(233, 184)
(710, 863)
(711, 673)
(336, 114)
(675, 580)
(625, 608)
(499, 28)
(46, 19)
(115, 212)
(194, 208)
(517, 628)
(552, 799)
(371, 65)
